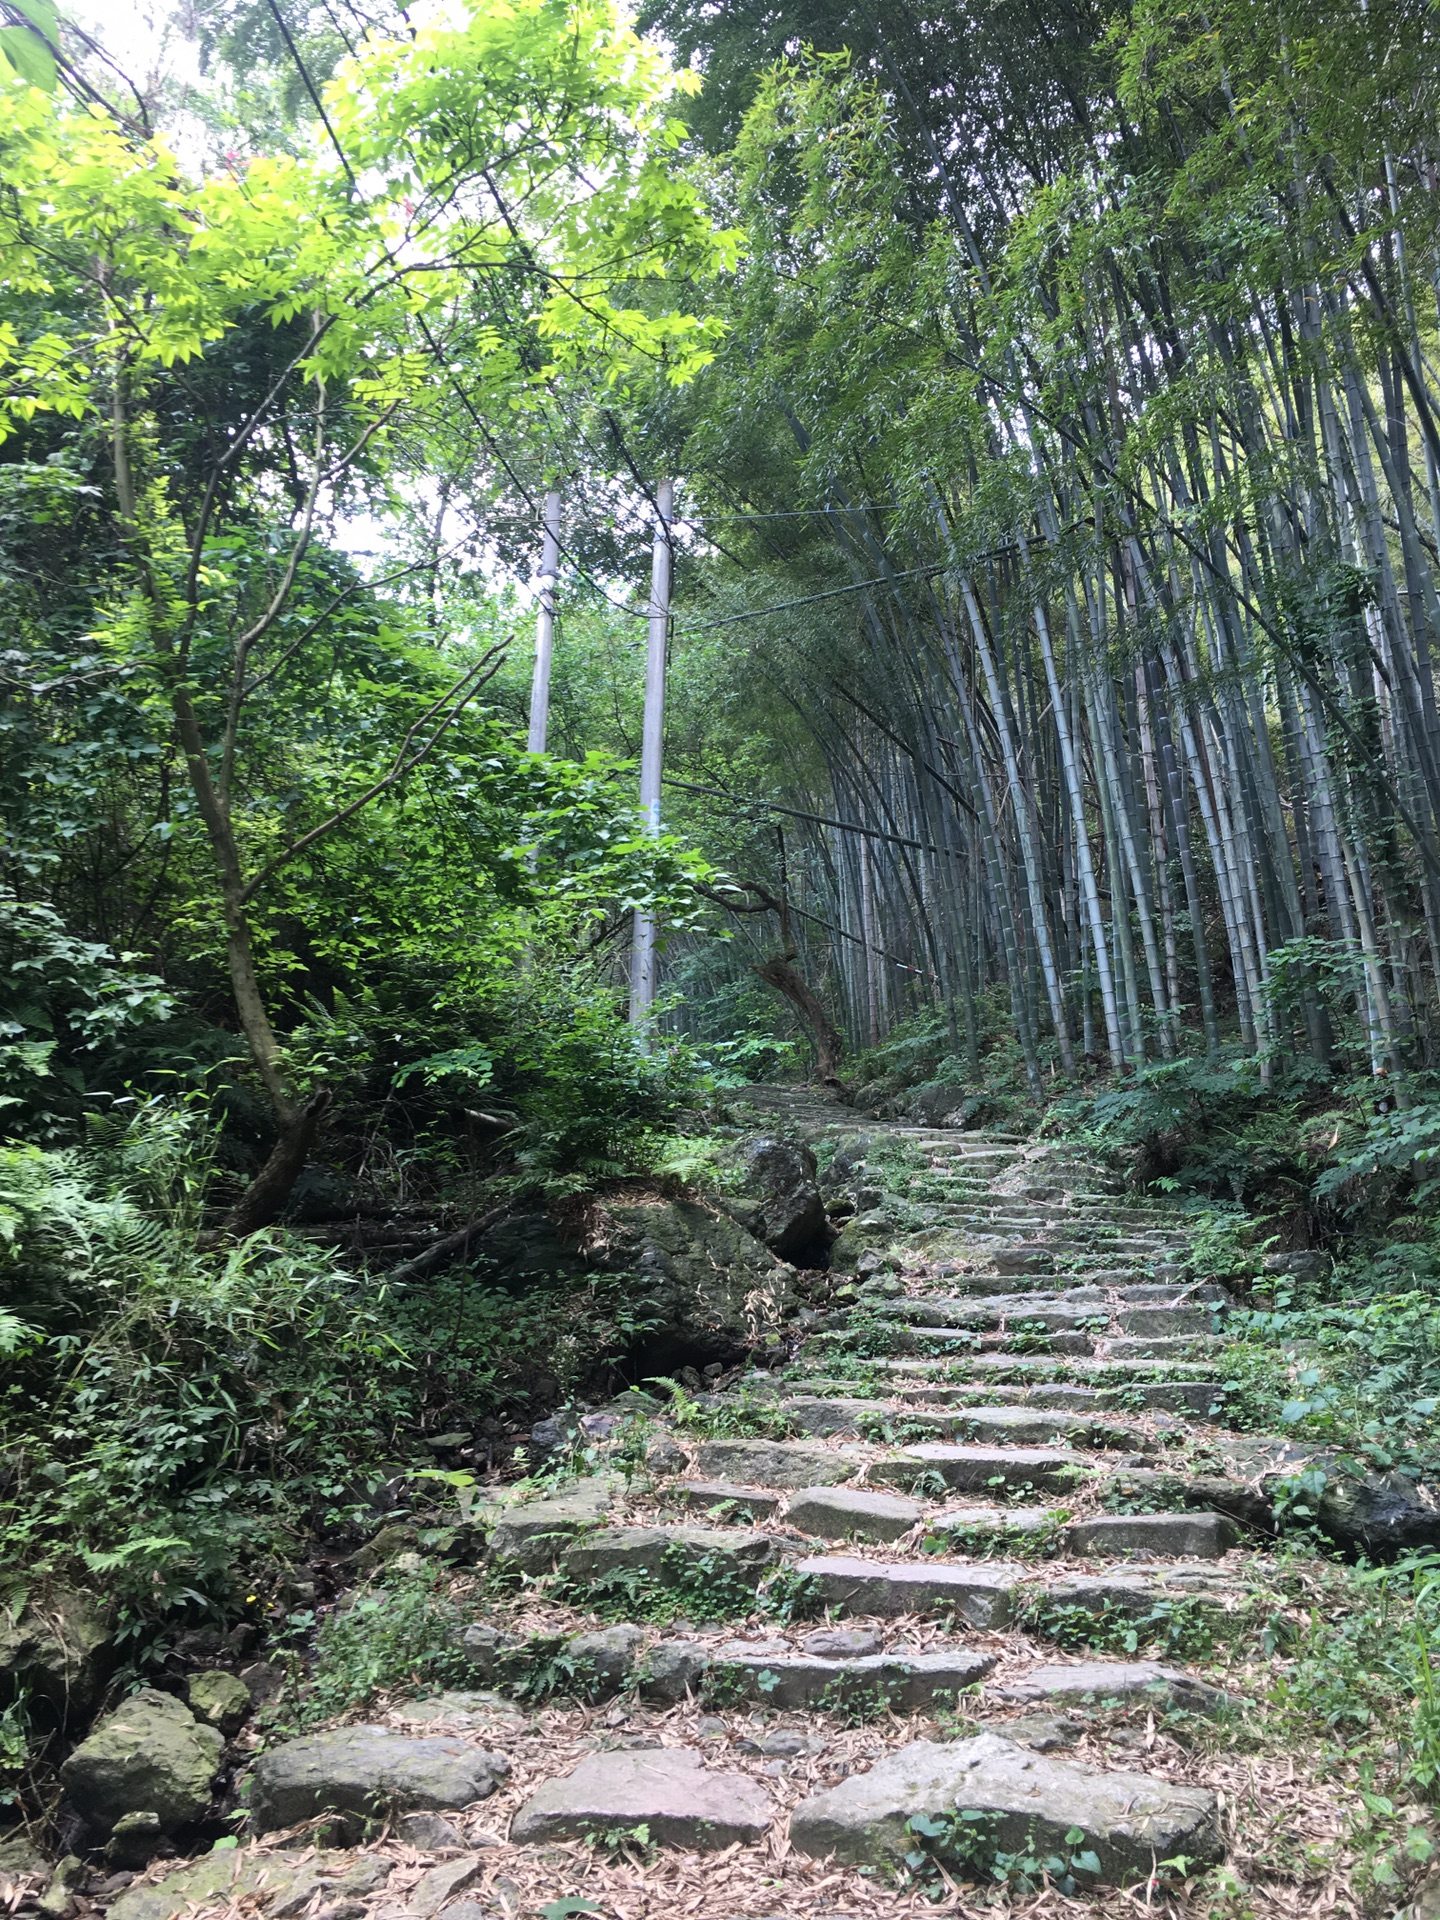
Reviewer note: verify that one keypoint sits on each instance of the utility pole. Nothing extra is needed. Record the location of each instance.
(545, 625)
(652, 745)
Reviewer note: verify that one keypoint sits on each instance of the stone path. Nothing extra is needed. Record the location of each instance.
(928, 1598)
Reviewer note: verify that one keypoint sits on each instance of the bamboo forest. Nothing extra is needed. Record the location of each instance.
(719, 959)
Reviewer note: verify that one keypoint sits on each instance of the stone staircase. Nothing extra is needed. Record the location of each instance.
(987, 1511)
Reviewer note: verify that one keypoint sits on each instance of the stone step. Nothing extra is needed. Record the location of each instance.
(1030, 1427)
(983, 1469)
(731, 1501)
(667, 1790)
(975, 1529)
(1123, 1285)
(768, 1672)
(1083, 1307)
(1127, 1821)
(1188, 1536)
(1196, 1397)
(671, 1556)
(823, 1416)
(922, 1340)
(852, 1513)
(1097, 1682)
(1135, 1591)
(775, 1463)
(981, 1596)
(963, 1369)
(1156, 1347)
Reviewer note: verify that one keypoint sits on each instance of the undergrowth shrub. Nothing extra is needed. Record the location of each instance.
(177, 1418)
(399, 1634)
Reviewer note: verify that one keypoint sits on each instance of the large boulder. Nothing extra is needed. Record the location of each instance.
(55, 1646)
(150, 1756)
(790, 1214)
(709, 1289)
(939, 1103)
(366, 1772)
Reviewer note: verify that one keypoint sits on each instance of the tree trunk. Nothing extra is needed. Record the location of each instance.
(781, 974)
(264, 1199)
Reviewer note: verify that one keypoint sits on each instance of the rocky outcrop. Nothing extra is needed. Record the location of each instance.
(218, 1698)
(277, 1884)
(55, 1647)
(789, 1214)
(709, 1289)
(151, 1756)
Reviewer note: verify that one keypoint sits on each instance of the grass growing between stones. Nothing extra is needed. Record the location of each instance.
(1002, 1542)
(966, 1842)
(1184, 1628)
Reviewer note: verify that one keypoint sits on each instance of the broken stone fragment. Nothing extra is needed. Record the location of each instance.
(671, 1670)
(606, 1656)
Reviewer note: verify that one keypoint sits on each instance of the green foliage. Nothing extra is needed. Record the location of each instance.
(186, 1415)
(1359, 1673)
(1200, 1126)
(393, 1636)
(1189, 1629)
(967, 1843)
(726, 1416)
(65, 1006)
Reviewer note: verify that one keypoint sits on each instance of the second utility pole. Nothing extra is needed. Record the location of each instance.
(652, 746)
(545, 625)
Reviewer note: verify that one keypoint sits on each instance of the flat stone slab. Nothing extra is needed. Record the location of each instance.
(531, 1537)
(756, 1503)
(1131, 1594)
(671, 1554)
(1189, 1536)
(1100, 1680)
(823, 1416)
(980, 1596)
(666, 1789)
(1129, 1820)
(1035, 1426)
(774, 1463)
(978, 1469)
(851, 1513)
(1128, 1347)
(1011, 1522)
(1162, 1323)
(368, 1771)
(787, 1680)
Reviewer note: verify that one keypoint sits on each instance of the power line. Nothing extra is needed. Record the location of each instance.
(797, 813)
